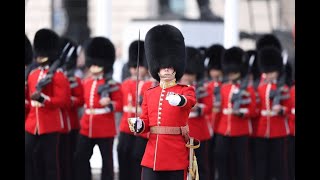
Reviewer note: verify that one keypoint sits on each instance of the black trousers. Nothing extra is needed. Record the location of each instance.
(212, 157)
(149, 174)
(232, 157)
(252, 161)
(65, 157)
(138, 152)
(271, 159)
(202, 155)
(73, 138)
(42, 156)
(125, 155)
(291, 157)
(85, 145)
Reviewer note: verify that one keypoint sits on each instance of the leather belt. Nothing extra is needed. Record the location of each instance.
(184, 131)
(228, 111)
(131, 109)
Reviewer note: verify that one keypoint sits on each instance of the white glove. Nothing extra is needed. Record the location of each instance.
(173, 99)
(135, 124)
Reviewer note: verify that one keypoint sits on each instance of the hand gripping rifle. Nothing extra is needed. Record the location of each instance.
(237, 98)
(53, 68)
(277, 94)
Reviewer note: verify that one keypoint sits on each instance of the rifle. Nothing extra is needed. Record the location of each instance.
(237, 97)
(48, 78)
(200, 89)
(277, 94)
(105, 89)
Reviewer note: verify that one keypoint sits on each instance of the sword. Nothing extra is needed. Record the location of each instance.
(137, 96)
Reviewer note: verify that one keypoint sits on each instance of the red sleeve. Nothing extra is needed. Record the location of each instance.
(61, 92)
(252, 109)
(116, 98)
(77, 94)
(190, 96)
(144, 114)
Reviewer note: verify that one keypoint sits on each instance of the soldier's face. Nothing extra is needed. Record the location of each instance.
(167, 74)
(271, 75)
(188, 79)
(215, 74)
(233, 76)
(142, 71)
(96, 70)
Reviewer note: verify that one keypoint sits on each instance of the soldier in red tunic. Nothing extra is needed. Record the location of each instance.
(44, 121)
(129, 168)
(214, 53)
(272, 127)
(198, 125)
(237, 107)
(71, 120)
(165, 108)
(102, 98)
(28, 58)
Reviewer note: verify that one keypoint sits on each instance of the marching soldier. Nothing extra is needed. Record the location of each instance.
(197, 122)
(44, 121)
(237, 107)
(165, 108)
(272, 128)
(102, 98)
(129, 168)
(28, 58)
(71, 128)
(214, 53)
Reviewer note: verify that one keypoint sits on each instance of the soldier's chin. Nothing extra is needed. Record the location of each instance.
(96, 70)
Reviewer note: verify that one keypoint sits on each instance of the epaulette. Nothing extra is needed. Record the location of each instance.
(152, 87)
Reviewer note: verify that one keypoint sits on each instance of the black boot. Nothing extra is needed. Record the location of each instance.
(205, 11)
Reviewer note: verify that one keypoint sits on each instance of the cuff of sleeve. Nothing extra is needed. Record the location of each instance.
(183, 101)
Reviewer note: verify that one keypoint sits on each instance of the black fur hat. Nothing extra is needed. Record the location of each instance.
(100, 51)
(164, 47)
(133, 54)
(214, 53)
(268, 40)
(46, 43)
(233, 60)
(28, 53)
(194, 62)
(270, 59)
(70, 60)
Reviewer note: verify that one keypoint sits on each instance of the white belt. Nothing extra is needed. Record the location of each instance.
(268, 113)
(293, 110)
(228, 111)
(36, 104)
(95, 111)
(193, 114)
(131, 109)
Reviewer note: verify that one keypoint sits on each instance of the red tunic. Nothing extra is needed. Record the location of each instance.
(292, 116)
(71, 119)
(230, 124)
(273, 126)
(48, 117)
(214, 117)
(198, 124)
(166, 152)
(97, 123)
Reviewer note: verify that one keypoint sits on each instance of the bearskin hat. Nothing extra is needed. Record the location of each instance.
(70, 59)
(270, 59)
(268, 40)
(28, 53)
(214, 53)
(194, 62)
(164, 47)
(233, 60)
(100, 51)
(46, 44)
(133, 54)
